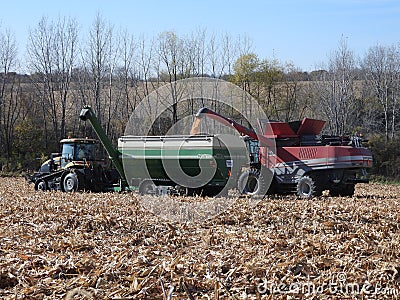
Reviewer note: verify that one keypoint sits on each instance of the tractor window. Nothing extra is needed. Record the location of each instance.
(85, 151)
(67, 154)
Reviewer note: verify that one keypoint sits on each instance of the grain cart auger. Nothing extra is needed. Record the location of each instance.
(303, 162)
(87, 114)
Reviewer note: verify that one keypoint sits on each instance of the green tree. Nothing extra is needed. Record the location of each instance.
(245, 69)
(267, 77)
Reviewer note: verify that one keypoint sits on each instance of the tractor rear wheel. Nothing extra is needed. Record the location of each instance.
(307, 187)
(70, 183)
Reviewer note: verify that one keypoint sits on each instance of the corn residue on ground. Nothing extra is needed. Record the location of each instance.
(55, 245)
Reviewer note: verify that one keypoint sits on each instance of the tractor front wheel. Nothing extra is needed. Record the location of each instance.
(41, 185)
(70, 183)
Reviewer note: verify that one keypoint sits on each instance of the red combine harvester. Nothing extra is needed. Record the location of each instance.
(293, 157)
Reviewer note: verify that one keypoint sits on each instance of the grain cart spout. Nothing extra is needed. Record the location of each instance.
(88, 114)
(230, 123)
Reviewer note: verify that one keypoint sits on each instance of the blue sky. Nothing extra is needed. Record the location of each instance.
(302, 32)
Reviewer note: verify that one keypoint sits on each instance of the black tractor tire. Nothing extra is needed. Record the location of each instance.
(70, 183)
(251, 183)
(308, 187)
(343, 190)
(41, 185)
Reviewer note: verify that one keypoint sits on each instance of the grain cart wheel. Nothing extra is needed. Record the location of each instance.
(251, 183)
(70, 182)
(307, 187)
(41, 185)
(147, 187)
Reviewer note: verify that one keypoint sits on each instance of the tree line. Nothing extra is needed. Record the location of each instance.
(113, 70)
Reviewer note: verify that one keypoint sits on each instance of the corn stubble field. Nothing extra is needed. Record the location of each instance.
(55, 245)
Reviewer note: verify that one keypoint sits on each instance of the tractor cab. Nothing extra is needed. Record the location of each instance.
(77, 150)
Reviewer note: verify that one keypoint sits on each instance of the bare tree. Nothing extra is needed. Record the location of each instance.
(125, 79)
(128, 73)
(213, 57)
(170, 53)
(335, 91)
(228, 56)
(52, 54)
(295, 104)
(113, 94)
(382, 68)
(10, 105)
(198, 53)
(96, 61)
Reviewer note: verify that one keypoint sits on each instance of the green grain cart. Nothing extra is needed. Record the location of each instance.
(178, 164)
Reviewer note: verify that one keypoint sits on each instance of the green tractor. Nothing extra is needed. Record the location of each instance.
(77, 168)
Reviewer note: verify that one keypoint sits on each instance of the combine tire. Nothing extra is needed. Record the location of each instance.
(307, 187)
(251, 183)
(70, 183)
(41, 185)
